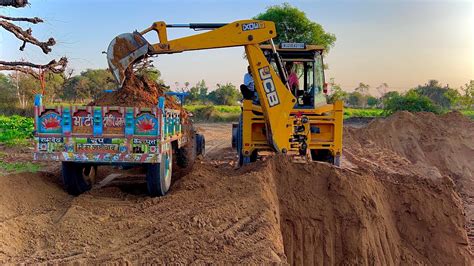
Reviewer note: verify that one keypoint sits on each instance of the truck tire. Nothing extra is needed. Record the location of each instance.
(73, 177)
(200, 145)
(186, 155)
(158, 176)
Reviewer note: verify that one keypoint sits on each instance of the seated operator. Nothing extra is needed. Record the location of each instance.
(292, 78)
(248, 88)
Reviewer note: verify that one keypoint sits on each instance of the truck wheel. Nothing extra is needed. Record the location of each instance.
(73, 177)
(200, 145)
(186, 155)
(158, 176)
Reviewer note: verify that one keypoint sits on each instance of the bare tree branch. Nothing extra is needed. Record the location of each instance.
(29, 68)
(34, 20)
(14, 3)
(25, 36)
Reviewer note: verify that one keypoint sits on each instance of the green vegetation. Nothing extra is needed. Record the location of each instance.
(15, 130)
(19, 167)
(352, 112)
(468, 113)
(214, 113)
(293, 25)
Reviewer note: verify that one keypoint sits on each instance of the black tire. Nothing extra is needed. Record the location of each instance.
(325, 156)
(200, 145)
(186, 155)
(235, 132)
(242, 158)
(73, 177)
(158, 176)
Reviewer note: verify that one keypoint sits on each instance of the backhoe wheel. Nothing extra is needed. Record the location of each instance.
(158, 177)
(76, 177)
(325, 156)
(242, 158)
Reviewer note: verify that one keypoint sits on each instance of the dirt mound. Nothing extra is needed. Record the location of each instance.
(366, 217)
(386, 205)
(137, 91)
(426, 144)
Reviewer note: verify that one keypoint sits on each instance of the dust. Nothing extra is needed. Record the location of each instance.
(399, 198)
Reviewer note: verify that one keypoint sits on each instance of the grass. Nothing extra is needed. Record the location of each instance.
(468, 113)
(19, 167)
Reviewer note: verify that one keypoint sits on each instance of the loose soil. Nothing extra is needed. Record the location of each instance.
(138, 91)
(402, 196)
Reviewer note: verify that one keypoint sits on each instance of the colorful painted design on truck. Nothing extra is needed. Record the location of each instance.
(104, 134)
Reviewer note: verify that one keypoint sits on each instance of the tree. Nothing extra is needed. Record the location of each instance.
(337, 94)
(88, 85)
(382, 89)
(224, 95)
(356, 99)
(372, 101)
(8, 96)
(35, 70)
(439, 95)
(293, 25)
(467, 98)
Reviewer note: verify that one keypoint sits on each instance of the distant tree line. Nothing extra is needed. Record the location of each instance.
(431, 97)
(18, 89)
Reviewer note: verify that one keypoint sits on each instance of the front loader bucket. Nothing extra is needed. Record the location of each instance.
(124, 51)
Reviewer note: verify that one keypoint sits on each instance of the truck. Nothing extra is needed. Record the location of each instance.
(85, 137)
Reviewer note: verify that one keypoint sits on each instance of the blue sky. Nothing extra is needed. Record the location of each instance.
(403, 43)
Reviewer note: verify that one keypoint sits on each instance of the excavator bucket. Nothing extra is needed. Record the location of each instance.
(124, 51)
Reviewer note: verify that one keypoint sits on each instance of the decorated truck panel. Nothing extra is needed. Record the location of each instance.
(105, 134)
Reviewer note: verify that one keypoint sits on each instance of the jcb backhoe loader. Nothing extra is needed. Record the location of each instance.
(281, 119)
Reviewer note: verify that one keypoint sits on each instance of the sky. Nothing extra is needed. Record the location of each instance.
(402, 43)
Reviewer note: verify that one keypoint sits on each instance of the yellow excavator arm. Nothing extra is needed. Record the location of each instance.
(275, 98)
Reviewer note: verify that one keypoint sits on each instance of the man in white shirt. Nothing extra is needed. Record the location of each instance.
(249, 83)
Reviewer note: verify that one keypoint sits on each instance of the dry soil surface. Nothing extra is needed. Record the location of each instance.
(402, 196)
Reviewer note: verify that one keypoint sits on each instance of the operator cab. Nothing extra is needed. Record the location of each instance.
(306, 61)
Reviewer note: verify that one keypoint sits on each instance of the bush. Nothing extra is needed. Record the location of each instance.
(411, 101)
(15, 129)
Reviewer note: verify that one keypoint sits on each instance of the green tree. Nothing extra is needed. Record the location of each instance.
(372, 101)
(8, 95)
(467, 97)
(356, 99)
(90, 84)
(439, 95)
(224, 95)
(293, 25)
(337, 94)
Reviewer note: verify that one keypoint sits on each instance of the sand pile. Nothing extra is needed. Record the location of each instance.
(137, 91)
(366, 217)
(431, 146)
